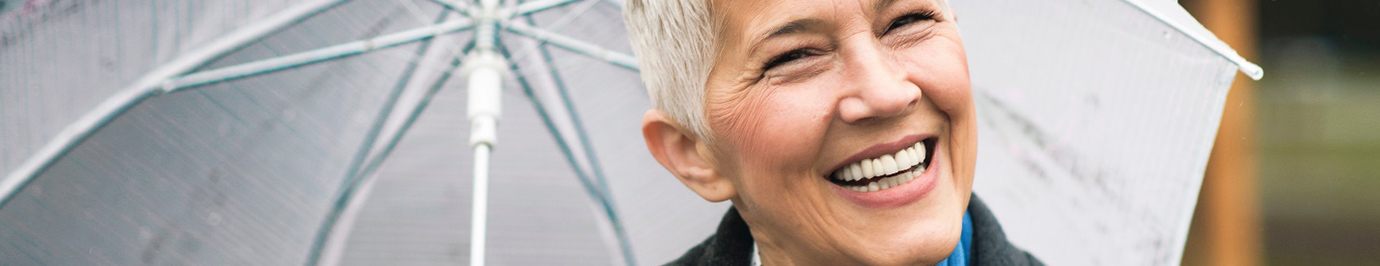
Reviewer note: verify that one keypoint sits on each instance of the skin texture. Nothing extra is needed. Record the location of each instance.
(862, 73)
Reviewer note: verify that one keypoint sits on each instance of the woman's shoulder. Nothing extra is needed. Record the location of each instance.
(731, 244)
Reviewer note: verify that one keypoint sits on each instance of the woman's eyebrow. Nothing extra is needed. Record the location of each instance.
(789, 28)
(808, 24)
(795, 26)
(882, 5)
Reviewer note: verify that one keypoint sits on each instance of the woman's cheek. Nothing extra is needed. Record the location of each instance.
(942, 75)
(773, 127)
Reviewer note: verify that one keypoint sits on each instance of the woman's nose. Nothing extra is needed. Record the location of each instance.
(876, 87)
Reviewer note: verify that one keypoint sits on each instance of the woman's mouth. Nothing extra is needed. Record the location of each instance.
(886, 171)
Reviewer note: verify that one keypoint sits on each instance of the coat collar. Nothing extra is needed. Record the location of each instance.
(732, 242)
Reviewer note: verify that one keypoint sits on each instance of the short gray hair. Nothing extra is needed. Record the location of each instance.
(674, 43)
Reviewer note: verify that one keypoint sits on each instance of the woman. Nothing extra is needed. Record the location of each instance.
(842, 131)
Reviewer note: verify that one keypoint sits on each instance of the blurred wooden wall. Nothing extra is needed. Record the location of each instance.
(1226, 226)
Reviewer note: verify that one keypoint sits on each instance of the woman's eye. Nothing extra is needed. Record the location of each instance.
(785, 58)
(907, 20)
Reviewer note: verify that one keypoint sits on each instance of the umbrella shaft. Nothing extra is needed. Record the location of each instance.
(480, 215)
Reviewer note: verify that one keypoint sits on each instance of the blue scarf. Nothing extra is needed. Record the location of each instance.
(960, 256)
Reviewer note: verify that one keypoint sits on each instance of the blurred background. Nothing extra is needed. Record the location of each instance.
(1294, 173)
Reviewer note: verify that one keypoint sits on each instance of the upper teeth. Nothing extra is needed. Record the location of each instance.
(883, 166)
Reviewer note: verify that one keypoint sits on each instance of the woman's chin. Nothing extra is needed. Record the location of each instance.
(924, 243)
(916, 223)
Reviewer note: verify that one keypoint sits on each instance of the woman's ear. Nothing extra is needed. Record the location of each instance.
(679, 152)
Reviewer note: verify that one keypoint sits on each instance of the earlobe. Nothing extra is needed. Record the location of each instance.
(684, 156)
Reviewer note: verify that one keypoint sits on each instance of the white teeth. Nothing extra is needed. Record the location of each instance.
(920, 151)
(908, 159)
(889, 164)
(867, 171)
(903, 158)
(887, 183)
(877, 168)
(909, 153)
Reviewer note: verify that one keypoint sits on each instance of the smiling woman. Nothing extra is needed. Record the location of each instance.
(843, 132)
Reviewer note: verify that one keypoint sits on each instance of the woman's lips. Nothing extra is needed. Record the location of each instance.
(884, 171)
(910, 186)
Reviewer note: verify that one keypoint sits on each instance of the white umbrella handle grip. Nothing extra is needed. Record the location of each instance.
(485, 104)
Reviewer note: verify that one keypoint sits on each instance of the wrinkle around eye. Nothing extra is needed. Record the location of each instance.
(797, 71)
(738, 110)
(910, 37)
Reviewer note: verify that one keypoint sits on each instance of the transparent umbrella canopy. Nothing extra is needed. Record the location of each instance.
(262, 142)
(1096, 121)
(344, 132)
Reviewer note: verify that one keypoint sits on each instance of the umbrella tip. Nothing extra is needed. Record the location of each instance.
(1252, 70)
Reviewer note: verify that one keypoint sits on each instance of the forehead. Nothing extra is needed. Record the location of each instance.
(751, 20)
(738, 17)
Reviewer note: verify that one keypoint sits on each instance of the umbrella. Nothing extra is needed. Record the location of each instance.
(242, 133)
(326, 132)
(1099, 160)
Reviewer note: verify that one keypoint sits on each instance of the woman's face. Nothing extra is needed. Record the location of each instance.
(846, 127)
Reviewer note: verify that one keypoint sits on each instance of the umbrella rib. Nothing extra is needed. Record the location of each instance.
(528, 8)
(148, 86)
(319, 55)
(604, 200)
(378, 159)
(572, 44)
(1250, 69)
(563, 20)
(550, 125)
(456, 6)
(563, 92)
(585, 145)
(387, 150)
(352, 179)
(360, 169)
